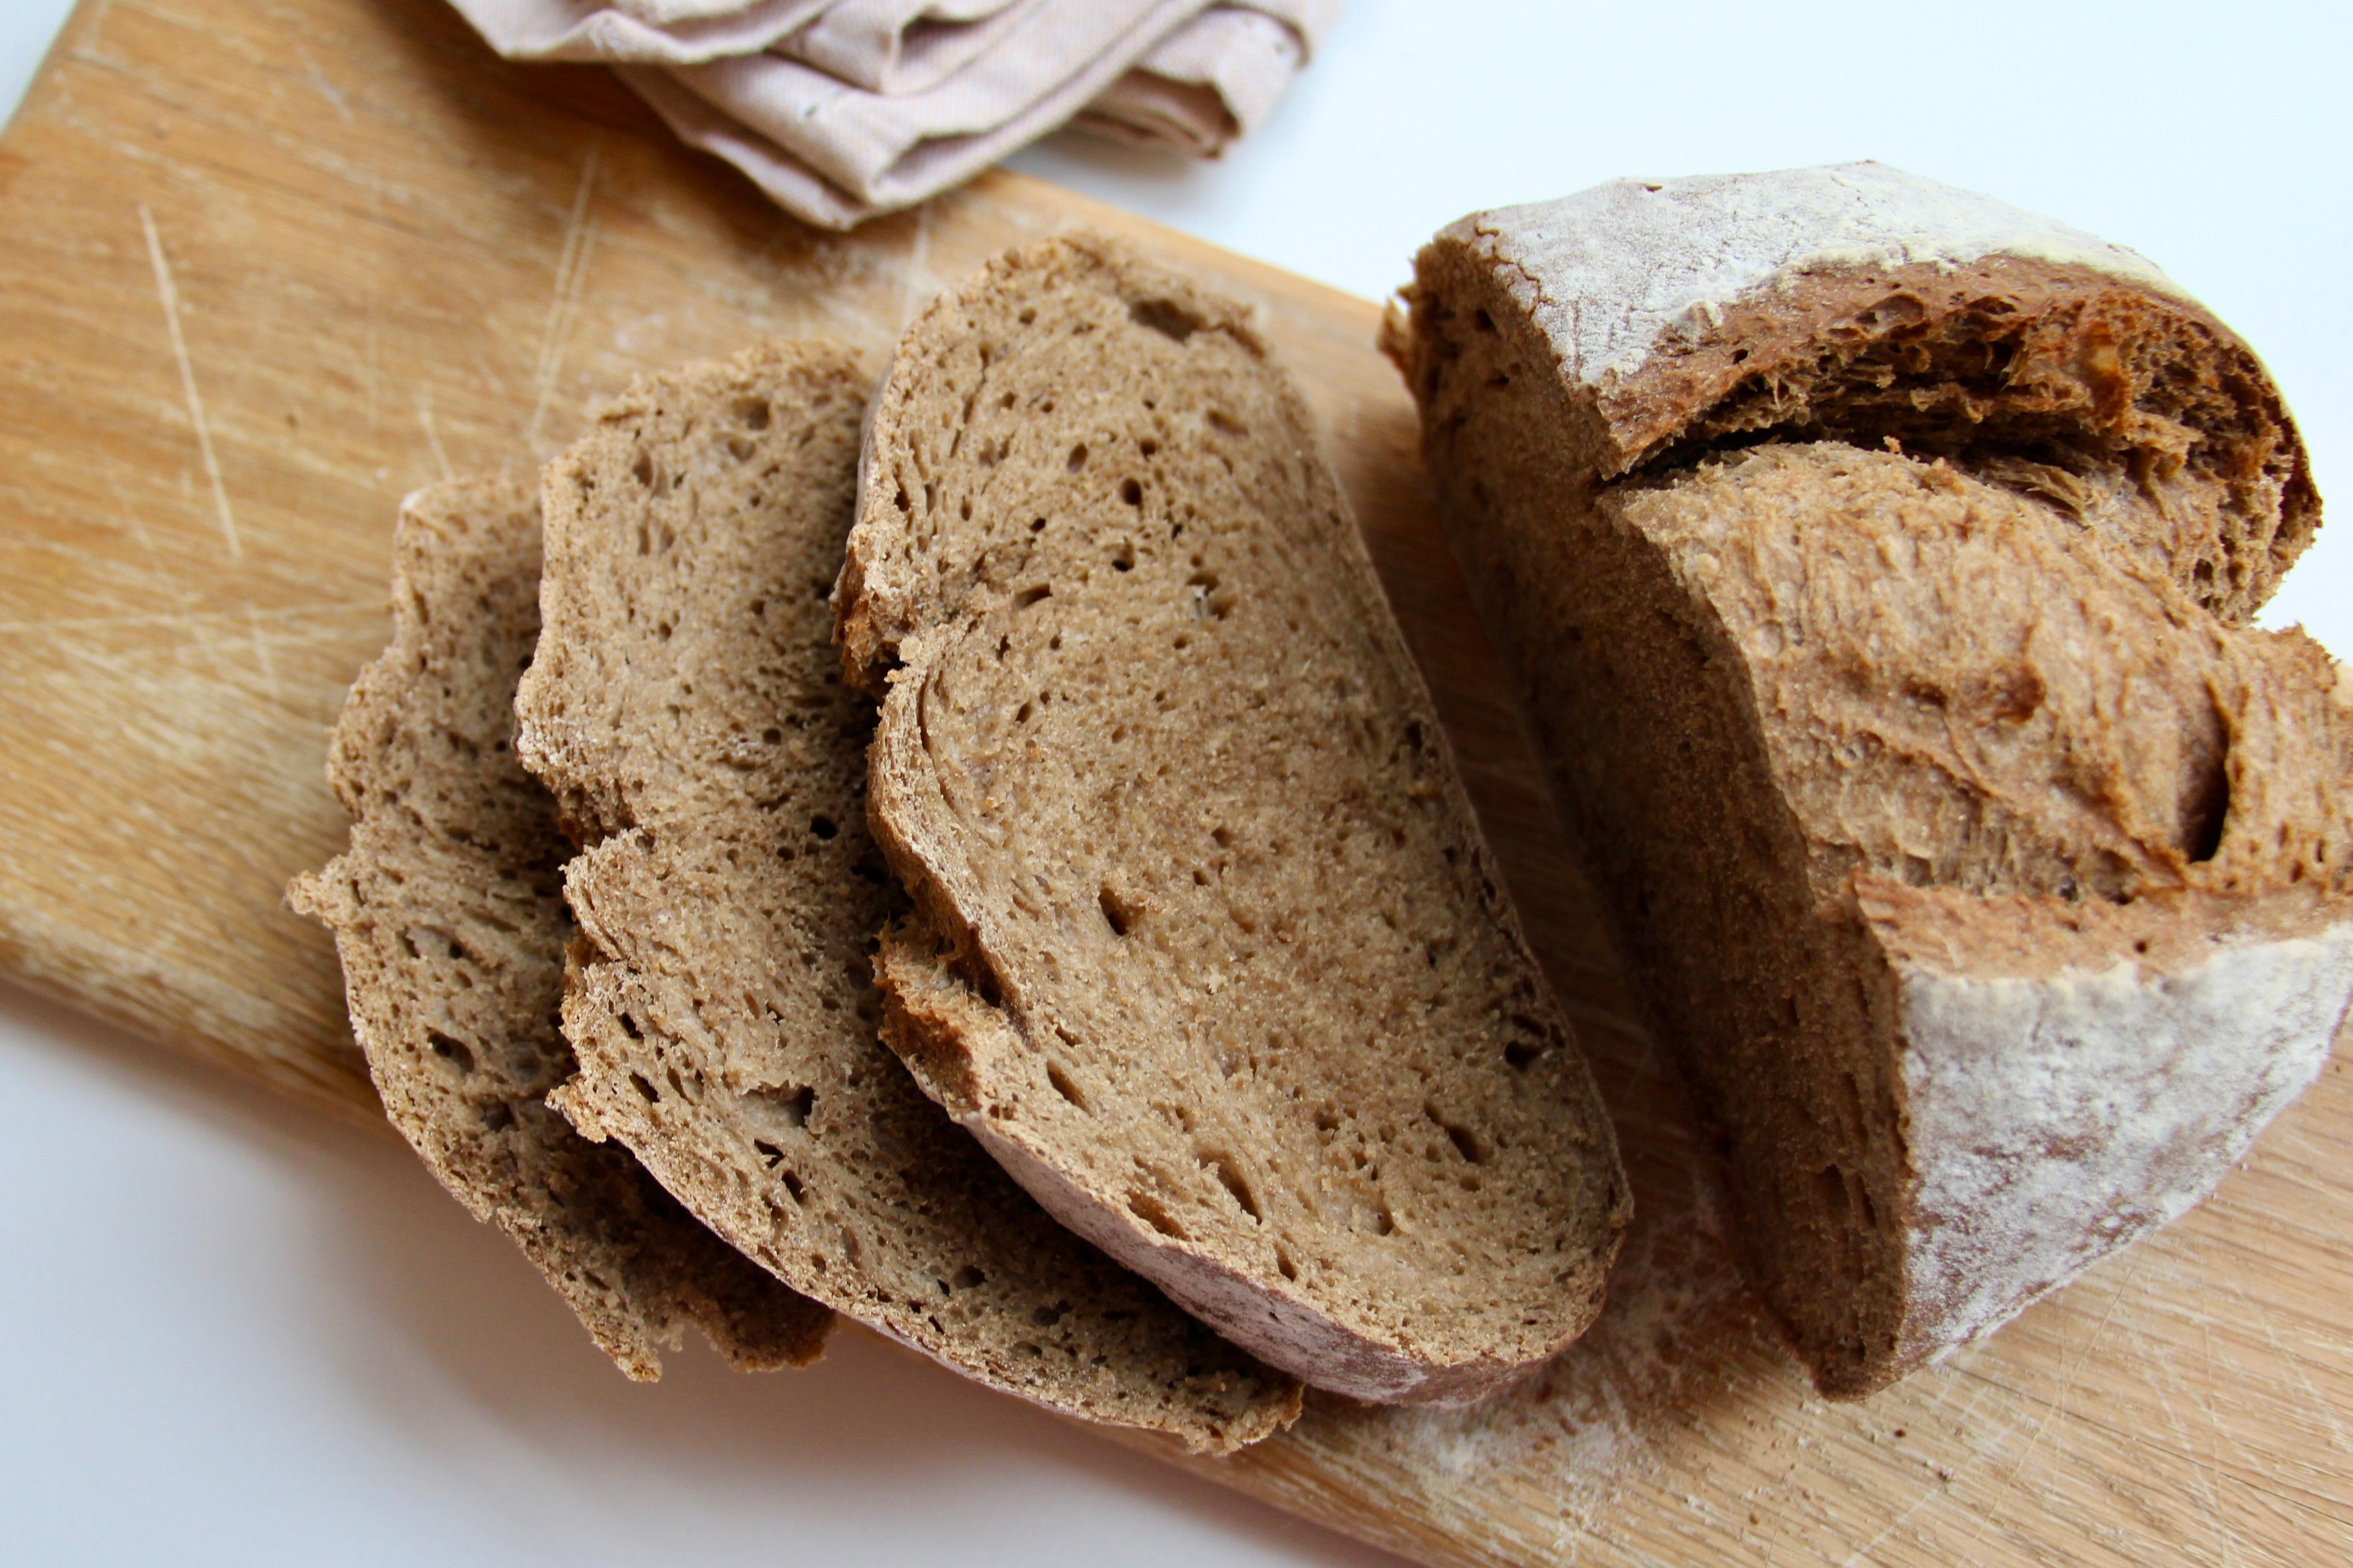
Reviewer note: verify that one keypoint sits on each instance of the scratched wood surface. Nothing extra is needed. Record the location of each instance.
(266, 265)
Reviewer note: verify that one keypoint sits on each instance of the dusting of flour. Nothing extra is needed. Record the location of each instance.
(1627, 264)
(2058, 1119)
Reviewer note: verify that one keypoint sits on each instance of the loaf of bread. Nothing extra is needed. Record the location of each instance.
(1874, 562)
(687, 707)
(1210, 951)
(449, 916)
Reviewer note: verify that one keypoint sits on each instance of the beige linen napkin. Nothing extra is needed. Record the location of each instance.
(588, 30)
(898, 46)
(1215, 78)
(843, 109)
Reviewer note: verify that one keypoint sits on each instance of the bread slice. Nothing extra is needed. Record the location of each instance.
(450, 923)
(1212, 956)
(1872, 560)
(687, 705)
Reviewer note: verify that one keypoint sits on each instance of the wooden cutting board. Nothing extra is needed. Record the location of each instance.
(266, 265)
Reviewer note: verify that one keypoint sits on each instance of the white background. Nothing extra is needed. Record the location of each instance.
(240, 1334)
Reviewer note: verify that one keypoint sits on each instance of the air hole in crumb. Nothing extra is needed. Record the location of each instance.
(2206, 809)
(1036, 525)
(795, 1107)
(1028, 314)
(969, 1279)
(770, 1155)
(1153, 1213)
(1148, 446)
(1283, 1265)
(1167, 317)
(1375, 1219)
(1125, 561)
(457, 1053)
(1064, 1086)
(1225, 424)
(644, 470)
(792, 1185)
(1077, 458)
(752, 414)
(1046, 1317)
(1132, 492)
(1520, 1053)
(741, 447)
(1830, 1191)
(629, 1026)
(645, 1088)
(498, 1116)
(1118, 913)
(1028, 597)
(1466, 1143)
(823, 827)
(1021, 715)
(1230, 1176)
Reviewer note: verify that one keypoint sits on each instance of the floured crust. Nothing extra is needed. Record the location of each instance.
(452, 928)
(2076, 1074)
(1208, 951)
(1874, 304)
(687, 705)
(1881, 618)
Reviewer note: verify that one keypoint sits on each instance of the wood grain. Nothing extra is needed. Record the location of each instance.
(264, 267)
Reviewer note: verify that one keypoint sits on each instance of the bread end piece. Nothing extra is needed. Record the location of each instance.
(1880, 619)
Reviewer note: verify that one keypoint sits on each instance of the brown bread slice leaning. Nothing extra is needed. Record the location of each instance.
(449, 916)
(688, 708)
(1874, 560)
(1212, 955)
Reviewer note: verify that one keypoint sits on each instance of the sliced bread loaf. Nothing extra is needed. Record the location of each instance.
(449, 920)
(1211, 954)
(1871, 559)
(688, 708)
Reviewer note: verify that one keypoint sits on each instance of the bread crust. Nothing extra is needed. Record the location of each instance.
(1880, 616)
(1084, 481)
(1859, 303)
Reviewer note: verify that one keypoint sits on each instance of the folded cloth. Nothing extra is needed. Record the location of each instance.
(1215, 78)
(689, 31)
(663, 13)
(843, 109)
(884, 46)
(898, 46)
(886, 150)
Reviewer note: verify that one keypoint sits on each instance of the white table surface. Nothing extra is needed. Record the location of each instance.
(240, 1334)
